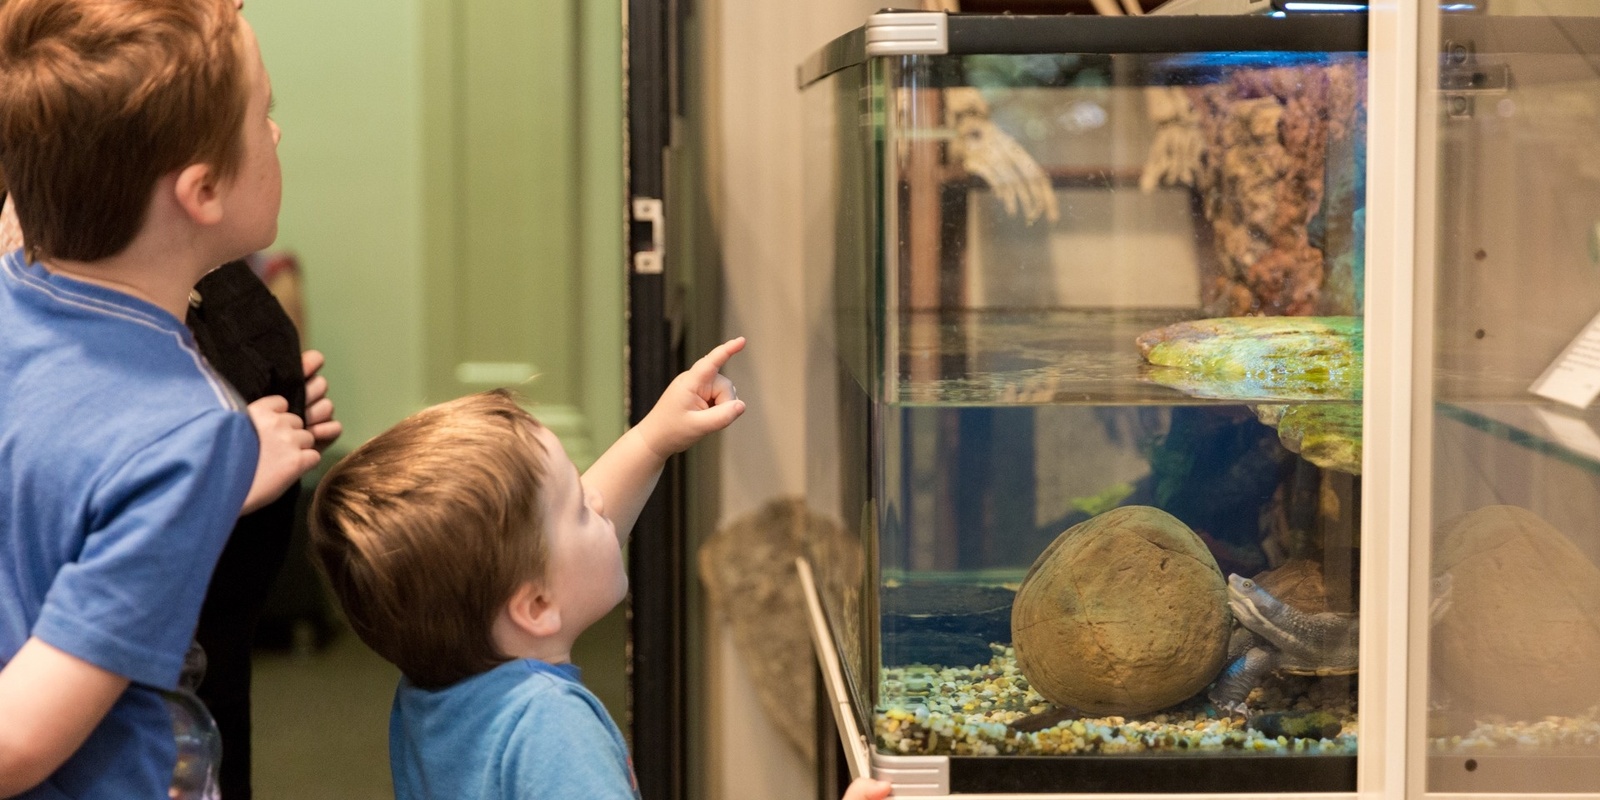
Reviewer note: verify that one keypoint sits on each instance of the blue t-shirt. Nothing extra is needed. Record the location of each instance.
(525, 730)
(124, 461)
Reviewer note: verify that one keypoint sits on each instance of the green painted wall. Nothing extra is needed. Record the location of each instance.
(403, 137)
(523, 267)
(346, 76)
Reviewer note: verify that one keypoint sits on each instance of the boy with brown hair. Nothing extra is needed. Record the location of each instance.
(466, 549)
(135, 139)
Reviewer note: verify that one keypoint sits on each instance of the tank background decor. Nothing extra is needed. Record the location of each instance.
(1267, 138)
(943, 624)
(1124, 613)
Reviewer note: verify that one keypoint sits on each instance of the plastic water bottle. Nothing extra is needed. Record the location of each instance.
(199, 742)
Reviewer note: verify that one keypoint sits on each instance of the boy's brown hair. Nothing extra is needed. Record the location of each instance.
(426, 531)
(99, 99)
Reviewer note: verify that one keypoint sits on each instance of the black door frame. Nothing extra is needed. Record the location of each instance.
(657, 615)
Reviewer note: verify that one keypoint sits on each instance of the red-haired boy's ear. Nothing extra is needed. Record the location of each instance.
(532, 611)
(197, 192)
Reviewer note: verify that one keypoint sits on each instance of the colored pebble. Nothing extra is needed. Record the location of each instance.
(969, 710)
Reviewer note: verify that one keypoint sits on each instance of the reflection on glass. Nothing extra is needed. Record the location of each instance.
(1514, 623)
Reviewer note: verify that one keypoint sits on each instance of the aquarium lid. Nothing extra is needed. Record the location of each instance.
(900, 33)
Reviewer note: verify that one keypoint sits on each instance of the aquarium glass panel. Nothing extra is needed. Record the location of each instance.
(1086, 403)
(1513, 613)
(844, 310)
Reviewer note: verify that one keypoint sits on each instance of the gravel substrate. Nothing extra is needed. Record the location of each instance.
(1551, 732)
(969, 711)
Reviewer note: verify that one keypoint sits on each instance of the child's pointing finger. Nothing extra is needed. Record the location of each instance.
(719, 355)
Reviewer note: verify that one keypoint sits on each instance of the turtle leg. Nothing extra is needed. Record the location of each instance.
(1241, 641)
(1241, 676)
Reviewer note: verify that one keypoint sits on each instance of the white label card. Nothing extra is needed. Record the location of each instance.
(1574, 377)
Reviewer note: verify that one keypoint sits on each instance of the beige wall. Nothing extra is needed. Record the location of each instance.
(752, 48)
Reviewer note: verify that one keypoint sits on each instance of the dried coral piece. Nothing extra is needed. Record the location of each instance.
(1267, 134)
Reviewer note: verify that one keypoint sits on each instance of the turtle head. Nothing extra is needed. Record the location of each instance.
(1252, 605)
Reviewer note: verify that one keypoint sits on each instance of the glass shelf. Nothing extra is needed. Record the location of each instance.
(999, 358)
(1541, 426)
(1039, 357)
(1088, 357)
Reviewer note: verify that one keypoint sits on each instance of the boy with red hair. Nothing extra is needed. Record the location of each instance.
(135, 139)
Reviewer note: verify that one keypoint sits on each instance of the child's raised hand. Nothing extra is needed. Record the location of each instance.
(699, 401)
(867, 789)
(288, 451)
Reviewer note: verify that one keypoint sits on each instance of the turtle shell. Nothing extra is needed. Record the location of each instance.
(1297, 583)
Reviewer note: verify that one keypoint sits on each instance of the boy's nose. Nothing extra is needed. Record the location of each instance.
(277, 133)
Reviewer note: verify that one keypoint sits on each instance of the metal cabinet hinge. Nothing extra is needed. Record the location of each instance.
(650, 252)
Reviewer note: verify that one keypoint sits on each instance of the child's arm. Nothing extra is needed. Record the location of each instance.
(51, 701)
(867, 789)
(700, 401)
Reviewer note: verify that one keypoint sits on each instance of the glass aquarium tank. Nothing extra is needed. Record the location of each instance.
(1086, 331)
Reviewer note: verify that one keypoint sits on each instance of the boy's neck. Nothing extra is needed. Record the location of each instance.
(161, 273)
(514, 642)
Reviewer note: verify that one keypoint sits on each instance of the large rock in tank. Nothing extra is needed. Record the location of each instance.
(1124, 613)
(1521, 633)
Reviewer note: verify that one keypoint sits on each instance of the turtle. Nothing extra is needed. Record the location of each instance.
(1286, 627)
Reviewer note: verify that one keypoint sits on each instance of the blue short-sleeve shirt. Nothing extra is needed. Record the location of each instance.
(525, 730)
(124, 461)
